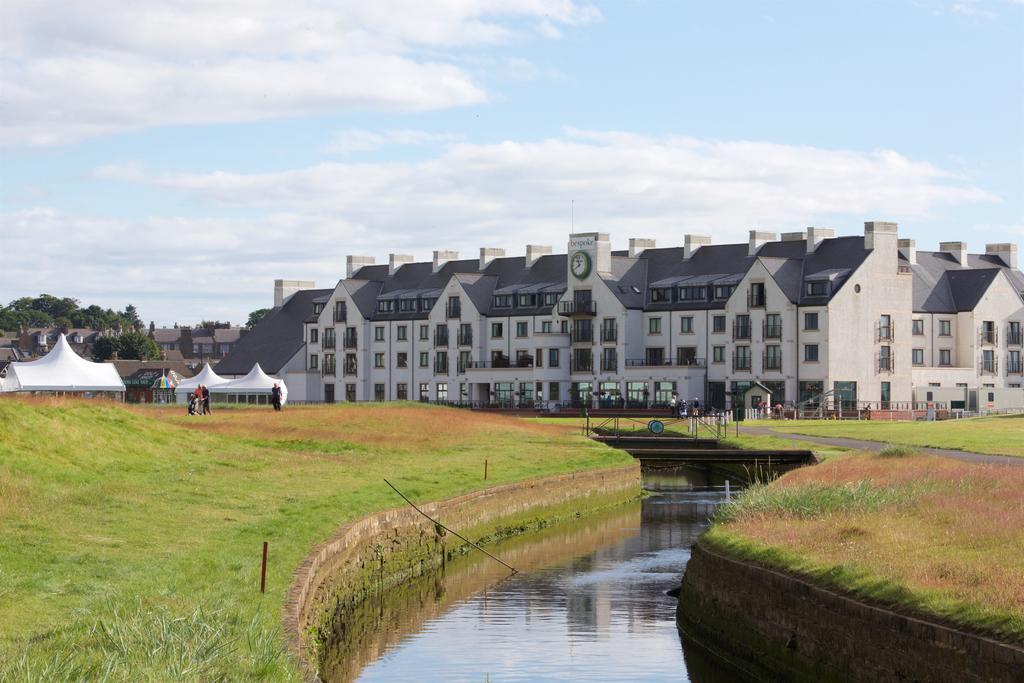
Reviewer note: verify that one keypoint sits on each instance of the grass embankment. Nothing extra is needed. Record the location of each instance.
(930, 535)
(1001, 435)
(130, 539)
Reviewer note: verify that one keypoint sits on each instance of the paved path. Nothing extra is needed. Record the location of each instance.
(859, 444)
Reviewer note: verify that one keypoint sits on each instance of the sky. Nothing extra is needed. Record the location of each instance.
(181, 155)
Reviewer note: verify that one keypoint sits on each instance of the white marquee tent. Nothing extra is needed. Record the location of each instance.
(206, 377)
(253, 388)
(62, 370)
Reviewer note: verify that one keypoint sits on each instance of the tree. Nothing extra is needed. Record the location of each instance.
(256, 316)
(104, 349)
(137, 346)
(131, 315)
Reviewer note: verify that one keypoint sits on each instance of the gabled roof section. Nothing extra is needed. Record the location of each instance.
(969, 285)
(275, 339)
(942, 285)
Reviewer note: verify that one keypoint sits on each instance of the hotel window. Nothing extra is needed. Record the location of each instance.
(406, 305)
(378, 392)
(522, 329)
(314, 361)
(660, 295)
(350, 392)
(917, 327)
(945, 357)
(917, 356)
(723, 292)
(314, 335)
(401, 333)
(811, 353)
(552, 358)
(545, 326)
(551, 298)
(527, 300)
(424, 359)
(464, 360)
(654, 325)
(554, 391)
(609, 359)
(442, 391)
(424, 332)
(944, 328)
(819, 288)
(402, 360)
(497, 330)
(378, 360)
(402, 391)
(810, 321)
(693, 293)
(718, 354)
(378, 333)
(503, 301)
(718, 323)
(523, 359)
(424, 391)
(428, 303)
(686, 325)
(538, 358)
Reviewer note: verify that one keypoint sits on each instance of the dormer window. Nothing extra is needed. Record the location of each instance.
(693, 293)
(660, 295)
(527, 300)
(317, 309)
(428, 303)
(406, 305)
(503, 301)
(723, 292)
(385, 306)
(551, 298)
(817, 288)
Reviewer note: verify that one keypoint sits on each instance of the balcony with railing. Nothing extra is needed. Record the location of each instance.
(609, 335)
(329, 341)
(454, 309)
(571, 308)
(884, 363)
(609, 363)
(582, 335)
(501, 363)
(740, 363)
(741, 331)
(329, 367)
(655, 362)
(441, 337)
(1014, 336)
(340, 312)
(465, 337)
(441, 365)
(351, 367)
(772, 330)
(350, 341)
(771, 362)
(755, 299)
(884, 333)
(988, 336)
(582, 365)
(988, 366)
(1014, 366)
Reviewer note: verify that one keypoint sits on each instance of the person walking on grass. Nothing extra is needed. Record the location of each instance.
(673, 404)
(198, 396)
(275, 395)
(206, 400)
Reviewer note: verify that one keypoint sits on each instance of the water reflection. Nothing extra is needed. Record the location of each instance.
(591, 603)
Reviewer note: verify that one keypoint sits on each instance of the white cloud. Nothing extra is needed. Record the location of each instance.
(75, 71)
(506, 194)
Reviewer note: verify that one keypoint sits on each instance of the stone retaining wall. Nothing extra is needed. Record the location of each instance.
(773, 625)
(380, 550)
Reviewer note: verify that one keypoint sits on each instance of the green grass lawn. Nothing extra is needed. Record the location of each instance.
(1002, 435)
(130, 539)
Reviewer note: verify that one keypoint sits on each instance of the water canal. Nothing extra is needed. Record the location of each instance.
(591, 602)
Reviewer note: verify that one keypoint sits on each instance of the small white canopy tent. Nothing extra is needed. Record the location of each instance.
(206, 376)
(62, 370)
(253, 388)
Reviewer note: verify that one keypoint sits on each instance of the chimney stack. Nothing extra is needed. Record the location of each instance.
(395, 261)
(793, 237)
(691, 243)
(354, 263)
(958, 250)
(285, 288)
(758, 238)
(816, 235)
(878, 233)
(908, 249)
(488, 254)
(534, 252)
(1005, 251)
(637, 246)
(443, 257)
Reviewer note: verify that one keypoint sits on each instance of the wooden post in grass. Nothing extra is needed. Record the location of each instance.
(263, 572)
(485, 469)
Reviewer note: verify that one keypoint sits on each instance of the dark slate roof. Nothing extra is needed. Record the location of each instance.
(942, 285)
(275, 339)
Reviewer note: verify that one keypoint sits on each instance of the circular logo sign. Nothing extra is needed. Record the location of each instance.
(656, 426)
(579, 264)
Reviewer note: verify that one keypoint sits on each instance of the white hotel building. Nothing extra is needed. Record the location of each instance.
(864, 318)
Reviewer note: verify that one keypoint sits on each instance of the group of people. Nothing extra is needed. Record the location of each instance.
(199, 401)
(680, 408)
